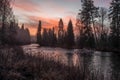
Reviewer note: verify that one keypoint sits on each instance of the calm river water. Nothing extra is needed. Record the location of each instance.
(104, 63)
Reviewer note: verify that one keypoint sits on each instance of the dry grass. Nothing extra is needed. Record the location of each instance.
(15, 65)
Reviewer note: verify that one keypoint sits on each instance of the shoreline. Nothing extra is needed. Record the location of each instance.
(95, 49)
(64, 47)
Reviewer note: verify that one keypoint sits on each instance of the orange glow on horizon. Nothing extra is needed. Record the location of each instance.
(46, 23)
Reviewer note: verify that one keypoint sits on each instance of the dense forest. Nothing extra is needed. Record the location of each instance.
(91, 23)
(93, 31)
(10, 32)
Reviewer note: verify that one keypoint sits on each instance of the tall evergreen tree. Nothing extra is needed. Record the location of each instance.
(70, 35)
(39, 33)
(60, 40)
(88, 15)
(50, 37)
(6, 15)
(28, 36)
(115, 23)
(12, 33)
(45, 38)
(54, 38)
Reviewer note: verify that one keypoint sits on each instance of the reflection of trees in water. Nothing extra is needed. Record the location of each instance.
(70, 61)
(115, 67)
(105, 66)
(85, 59)
(76, 60)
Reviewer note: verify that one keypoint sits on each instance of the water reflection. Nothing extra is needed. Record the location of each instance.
(115, 65)
(76, 59)
(101, 63)
(106, 65)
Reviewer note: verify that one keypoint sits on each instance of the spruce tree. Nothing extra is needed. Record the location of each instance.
(6, 15)
(39, 41)
(115, 23)
(88, 15)
(54, 38)
(70, 35)
(60, 40)
(45, 38)
(12, 33)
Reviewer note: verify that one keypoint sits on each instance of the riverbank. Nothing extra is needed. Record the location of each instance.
(15, 65)
(113, 50)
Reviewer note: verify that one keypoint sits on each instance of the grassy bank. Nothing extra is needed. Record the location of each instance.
(15, 65)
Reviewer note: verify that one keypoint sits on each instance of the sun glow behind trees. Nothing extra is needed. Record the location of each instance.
(48, 11)
(91, 26)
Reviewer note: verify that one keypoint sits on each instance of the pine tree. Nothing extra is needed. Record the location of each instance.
(115, 23)
(54, 38)
(70, 35)
(28, 36)
(39, 40)
(45, 38)
(50, 37)
(60, 33)
(88, 14)
(6, 15)
(12, 33)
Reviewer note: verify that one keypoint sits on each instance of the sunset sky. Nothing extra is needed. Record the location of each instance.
(49, 12)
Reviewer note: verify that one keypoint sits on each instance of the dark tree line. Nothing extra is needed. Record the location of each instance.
(47, 37)
(5, 16)
(115, 23)
(61, 38)
(94, 33)
(10, 33)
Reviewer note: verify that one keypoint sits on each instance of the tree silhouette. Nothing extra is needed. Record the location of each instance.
(88, 14)
(51, 38)
(70, 35)
(39, 33)
(115, 23)
(102, 30)
(54, 38)
(6, 14)
(12, 33)
(102, 15)
(23, 26)
(60, 40)
(45, 38)
(28, 38)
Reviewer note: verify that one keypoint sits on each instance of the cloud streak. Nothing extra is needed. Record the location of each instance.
(49, 12)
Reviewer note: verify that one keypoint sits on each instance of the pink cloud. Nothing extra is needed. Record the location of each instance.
(46, 23)
(26, 7)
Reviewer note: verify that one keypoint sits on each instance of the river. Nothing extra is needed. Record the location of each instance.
(104, 63)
